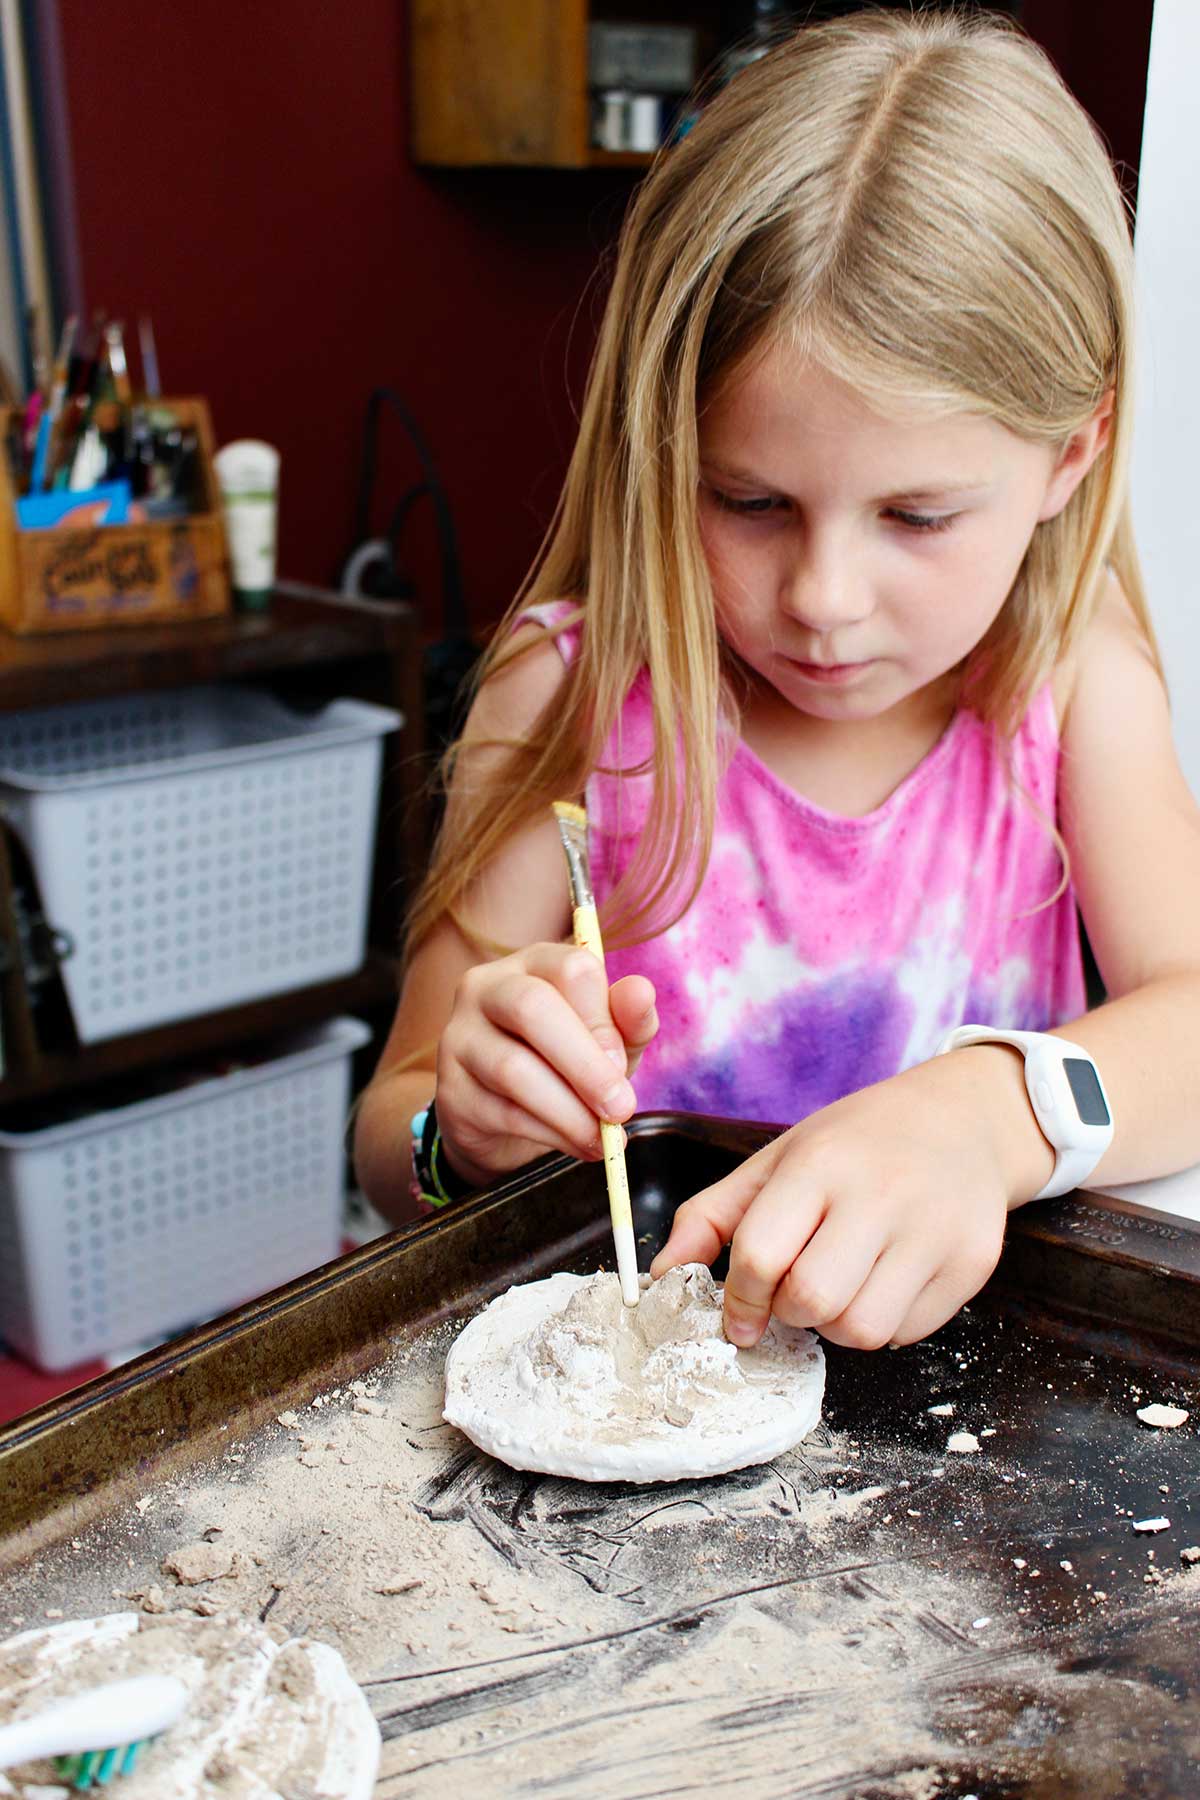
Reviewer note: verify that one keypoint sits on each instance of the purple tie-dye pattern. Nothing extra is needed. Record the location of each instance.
(824, 953)
(795, 1056)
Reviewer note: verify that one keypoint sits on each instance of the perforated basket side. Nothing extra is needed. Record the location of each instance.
(106, 742)
(150, 1218)
(190, 892)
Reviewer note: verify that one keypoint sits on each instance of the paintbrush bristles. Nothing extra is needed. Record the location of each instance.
(572, 829)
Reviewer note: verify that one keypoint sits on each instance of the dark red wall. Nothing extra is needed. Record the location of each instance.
(1102, 47)
(243, 175)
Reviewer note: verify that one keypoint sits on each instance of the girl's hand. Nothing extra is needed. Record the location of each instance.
(875, 1219)
(536, 1052)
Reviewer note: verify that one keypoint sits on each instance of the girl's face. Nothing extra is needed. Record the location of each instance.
(856, 558)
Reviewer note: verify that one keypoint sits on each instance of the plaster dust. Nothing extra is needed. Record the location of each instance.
(561, 1377)
(797, 1627)
(264, 1721)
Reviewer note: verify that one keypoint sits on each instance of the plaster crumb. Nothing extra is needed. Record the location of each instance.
(962, 1443)
(289, 1420)
(144, 1504)
(1163, 1418)
(1019, 1562)
(375, 1409)
(1151, 1524)
(1190, 1555)
(199, 1562)
(943, 1411)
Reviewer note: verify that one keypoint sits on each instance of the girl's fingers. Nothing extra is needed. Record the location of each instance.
(929, 1310)
(704, 1224)
(632, 1001)
(566, 1029)
(940, 1298)
(506, 1073)
(508, 1132)
(764, 1246)
(898, 1283)
(828, 1273)
(498, 1118)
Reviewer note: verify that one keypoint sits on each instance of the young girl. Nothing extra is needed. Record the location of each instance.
(840, 637)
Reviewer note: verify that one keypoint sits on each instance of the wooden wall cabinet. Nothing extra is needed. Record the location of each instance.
(504, 83)
(499, 82)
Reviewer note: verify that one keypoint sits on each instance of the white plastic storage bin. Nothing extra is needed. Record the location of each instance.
(131, 1223)
(199, 848)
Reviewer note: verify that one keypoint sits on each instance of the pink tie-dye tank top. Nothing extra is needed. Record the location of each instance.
(824, 953)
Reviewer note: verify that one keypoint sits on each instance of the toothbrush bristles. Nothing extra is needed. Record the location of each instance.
(93, 1768)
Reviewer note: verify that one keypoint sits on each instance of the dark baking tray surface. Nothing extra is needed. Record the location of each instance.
(870, 1616)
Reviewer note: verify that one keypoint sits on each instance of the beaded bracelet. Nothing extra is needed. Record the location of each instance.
(435, 1182)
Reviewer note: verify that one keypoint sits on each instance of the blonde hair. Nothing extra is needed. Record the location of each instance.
(921, 205)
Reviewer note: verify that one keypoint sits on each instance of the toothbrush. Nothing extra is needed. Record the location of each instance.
(572, 828)
(96, 1734)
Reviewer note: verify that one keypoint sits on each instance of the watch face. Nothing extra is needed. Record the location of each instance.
(1088, 1094)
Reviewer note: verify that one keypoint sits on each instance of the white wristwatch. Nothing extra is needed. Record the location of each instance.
(1066, 1093)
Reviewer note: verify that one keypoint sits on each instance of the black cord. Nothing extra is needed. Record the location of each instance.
(455, 623)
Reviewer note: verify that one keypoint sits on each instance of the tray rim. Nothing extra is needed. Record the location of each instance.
(1054, 1222)
(1047, 1263)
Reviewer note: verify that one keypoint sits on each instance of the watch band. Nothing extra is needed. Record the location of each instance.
(1043, 1054)
(434, 1183)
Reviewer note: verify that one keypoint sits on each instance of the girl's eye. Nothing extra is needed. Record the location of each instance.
(754, 507)
(917, 521)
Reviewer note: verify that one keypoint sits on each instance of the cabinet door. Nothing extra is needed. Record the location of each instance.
(499, 82)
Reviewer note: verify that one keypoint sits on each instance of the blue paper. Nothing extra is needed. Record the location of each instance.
(36, 511)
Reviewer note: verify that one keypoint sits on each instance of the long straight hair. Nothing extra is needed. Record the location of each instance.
(919, 204)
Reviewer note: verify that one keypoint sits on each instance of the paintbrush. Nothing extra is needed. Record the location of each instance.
(572, 828)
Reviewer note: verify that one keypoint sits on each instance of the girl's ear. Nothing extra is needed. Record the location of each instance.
(1076, 458)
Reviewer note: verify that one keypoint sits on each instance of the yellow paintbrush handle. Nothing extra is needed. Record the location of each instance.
(617, 1177)
(586, 930)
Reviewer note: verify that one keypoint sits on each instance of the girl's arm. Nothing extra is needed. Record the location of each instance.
(1133, 832)
(517, 1046)
(876, 1218)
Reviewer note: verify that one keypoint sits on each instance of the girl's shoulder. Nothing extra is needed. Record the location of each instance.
(1114, 644)
(557, 623)
(530, 659)
(525, 674)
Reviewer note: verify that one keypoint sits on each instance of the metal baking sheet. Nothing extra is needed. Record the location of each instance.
(872, 1616)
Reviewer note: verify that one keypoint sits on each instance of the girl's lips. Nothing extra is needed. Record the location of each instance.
(829, 673)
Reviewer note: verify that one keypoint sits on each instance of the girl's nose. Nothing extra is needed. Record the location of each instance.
(825, 587)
